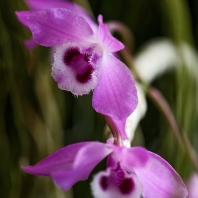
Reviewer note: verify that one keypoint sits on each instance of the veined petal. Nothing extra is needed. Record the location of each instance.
(93, 152)
(131, 157)
(49, 4)
(56, 26)
(115, 94)
(22, 17)
(107, 40)
(61, 159)
(87, 158)
(159, 179)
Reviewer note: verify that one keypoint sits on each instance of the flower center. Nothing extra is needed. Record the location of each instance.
(80, 63)
(70, 54)
(125, 184)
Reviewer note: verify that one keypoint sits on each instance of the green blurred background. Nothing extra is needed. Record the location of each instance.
(36, 118)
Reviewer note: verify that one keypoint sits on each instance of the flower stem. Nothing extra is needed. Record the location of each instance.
(118, 141)
(165, 109)
(190, 150)
(124, 31)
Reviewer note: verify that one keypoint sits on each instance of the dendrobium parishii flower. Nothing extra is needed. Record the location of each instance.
(84, 59)
(130, 173)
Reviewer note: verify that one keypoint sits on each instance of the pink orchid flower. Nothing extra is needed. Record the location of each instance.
(84, 59)
(130, 173)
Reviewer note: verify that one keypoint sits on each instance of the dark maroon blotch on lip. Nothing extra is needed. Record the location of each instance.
(104, 182)
(85, 76)
(70, 54)
(127, 186)
(87, 57)
(119, 173)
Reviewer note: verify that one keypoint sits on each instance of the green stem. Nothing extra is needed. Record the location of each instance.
(190, 150)
(165, 109)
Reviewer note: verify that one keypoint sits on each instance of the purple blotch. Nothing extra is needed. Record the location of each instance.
(104, 182)
(87, 57)
(119, 175)
(70, 54)
(85, 76)
(127, 186)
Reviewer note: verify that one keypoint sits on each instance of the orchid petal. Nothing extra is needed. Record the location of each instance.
(87, 158)
(104, 185)
(56, 26)
(22, 17)
(49, 4)
(107, 40)
(115, 95)
(192, 186)
(69, 75)
(131, 157)
(134, 119)
(63, 158)
(159, 179)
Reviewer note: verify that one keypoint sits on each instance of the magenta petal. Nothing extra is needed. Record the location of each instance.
(22, 17)
(131, 157)
(49, 4)
(159, 179)
(87, 158)
(63, 158)
(65, 179)
(107, 40)
(116, 94)
(56, 26)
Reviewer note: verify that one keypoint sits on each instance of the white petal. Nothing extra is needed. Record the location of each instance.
(157, 57)
(134, 119)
